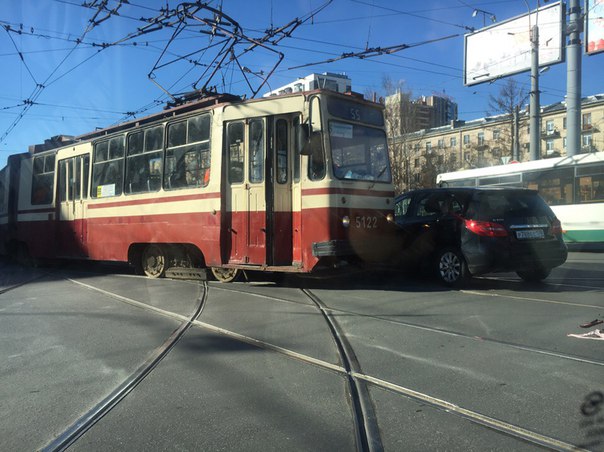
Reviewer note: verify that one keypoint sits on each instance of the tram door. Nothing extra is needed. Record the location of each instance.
(244, 215)
(279, 192)
(71, 191)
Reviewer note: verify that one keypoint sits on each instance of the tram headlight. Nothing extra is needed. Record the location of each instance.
(345, 221)
(390, 218)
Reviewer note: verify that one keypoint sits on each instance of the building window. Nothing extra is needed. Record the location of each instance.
(549, 126)
(416, 163)
(441, 143)
(587, 139)
(586, 121)
(564, 123)
(564, 142)
(496, 134)
(428, 146)
(549, 145)
(496, 152)
(480, 138)
(466, 139)
(466, 156)
(453, 142)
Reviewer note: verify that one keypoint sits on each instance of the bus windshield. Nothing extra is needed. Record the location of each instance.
(359, 152)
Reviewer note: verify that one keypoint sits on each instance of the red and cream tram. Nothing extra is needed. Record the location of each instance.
(291, 183)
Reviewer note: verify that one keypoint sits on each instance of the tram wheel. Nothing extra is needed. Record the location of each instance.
(153, 261)
(226, 275)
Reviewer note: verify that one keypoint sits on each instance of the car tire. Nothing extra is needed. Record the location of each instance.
(451, 268)
(535, 275)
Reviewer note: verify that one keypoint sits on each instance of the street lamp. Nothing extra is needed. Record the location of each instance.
(484, 16)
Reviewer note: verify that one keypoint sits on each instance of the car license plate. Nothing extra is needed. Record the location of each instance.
(530, 234)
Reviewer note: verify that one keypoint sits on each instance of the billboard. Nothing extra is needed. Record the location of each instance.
(594, 26)
(505, 48)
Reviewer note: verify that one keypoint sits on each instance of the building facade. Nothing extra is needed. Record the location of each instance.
(491, 141)
(339, 83)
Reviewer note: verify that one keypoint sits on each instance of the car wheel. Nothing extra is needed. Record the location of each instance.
(538, 274)
(451, 267)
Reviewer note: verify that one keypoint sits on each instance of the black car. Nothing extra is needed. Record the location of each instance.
(462, 232)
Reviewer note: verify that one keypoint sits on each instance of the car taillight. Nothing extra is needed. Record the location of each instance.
(486, 228)
(556, 227)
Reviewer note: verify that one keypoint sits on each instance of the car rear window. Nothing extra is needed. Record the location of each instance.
(508, 205)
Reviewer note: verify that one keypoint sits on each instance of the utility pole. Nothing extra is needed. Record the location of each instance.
(516, 135)
(535, 139)
(573, 79)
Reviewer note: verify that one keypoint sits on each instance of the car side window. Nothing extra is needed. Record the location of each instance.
(401, 208)
(428, 206)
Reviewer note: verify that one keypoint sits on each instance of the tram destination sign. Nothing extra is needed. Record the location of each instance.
(353, 111)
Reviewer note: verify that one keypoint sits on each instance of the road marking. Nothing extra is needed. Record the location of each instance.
(516, 297)
(449, 407)
(479, 418)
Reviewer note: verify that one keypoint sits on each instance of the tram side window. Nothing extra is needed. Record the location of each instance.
(108, 168)
(144, 160)
(188, 154)
(296, 162)
(2, 191)
(43, 176)
(555, 186)
(235, 152)
(282, 148)
(590, 183)
(256, 147)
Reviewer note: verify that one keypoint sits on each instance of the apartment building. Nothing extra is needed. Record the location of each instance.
(490, 140)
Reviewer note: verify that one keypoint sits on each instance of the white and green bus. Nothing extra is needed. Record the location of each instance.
(572, 186)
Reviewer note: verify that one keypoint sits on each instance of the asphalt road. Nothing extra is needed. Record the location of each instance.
(113, 361)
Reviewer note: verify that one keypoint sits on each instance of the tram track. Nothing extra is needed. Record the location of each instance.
(359, 382)
(358, 379)
(365, 420)
(96, 413)
(470, 337)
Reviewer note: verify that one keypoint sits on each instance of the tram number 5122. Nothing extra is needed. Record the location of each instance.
(366, 222)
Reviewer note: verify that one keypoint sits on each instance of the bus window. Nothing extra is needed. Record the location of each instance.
(108, 168)
(43, 175)
(256, 149)
(590, 183)
(555, 185)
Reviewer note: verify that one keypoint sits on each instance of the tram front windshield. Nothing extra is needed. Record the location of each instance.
(359, 152)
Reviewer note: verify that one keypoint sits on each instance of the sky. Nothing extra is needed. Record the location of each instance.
(69, 68)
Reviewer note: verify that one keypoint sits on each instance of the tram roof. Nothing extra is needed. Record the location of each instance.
(184, 105)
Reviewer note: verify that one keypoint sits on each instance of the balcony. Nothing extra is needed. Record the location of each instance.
(589, 128)
(587, 148)
(550, 134)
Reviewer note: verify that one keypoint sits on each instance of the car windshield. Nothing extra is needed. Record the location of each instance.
(358, 152)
